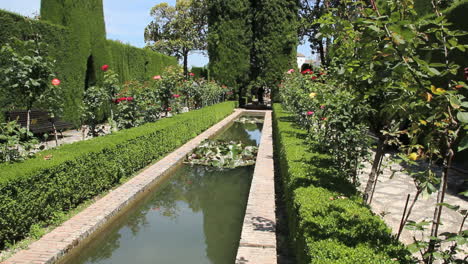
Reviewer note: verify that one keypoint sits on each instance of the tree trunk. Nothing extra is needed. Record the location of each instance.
(374, 171)
(28, 120)
(322, 52)
(440, 199)
(376, 180)
(186, 62)
(55, 133)
(406, 217)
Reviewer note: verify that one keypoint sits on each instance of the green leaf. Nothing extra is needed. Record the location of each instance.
(463, 144)
(413, 248)
(437, 64)
(449, 206)
(374, 28)
(463, 117)
(455, 102)
(434, 71)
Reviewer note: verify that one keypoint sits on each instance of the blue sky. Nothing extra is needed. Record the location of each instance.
(125, 21)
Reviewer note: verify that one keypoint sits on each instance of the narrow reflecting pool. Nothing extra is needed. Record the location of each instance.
(194, 217)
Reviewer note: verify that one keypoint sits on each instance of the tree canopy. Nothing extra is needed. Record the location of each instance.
(177, 30)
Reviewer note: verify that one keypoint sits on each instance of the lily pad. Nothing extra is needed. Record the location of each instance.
(249, 120)
(222, 154)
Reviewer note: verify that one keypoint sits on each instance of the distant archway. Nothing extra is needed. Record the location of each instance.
(306, 66)
(90, 78)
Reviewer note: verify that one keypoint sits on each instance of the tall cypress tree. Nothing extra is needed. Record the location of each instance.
(252, 41)
(230, 42)
(275, 38)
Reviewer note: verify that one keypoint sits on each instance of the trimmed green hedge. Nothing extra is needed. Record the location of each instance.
(137, 64)
(34, 190)
(327, 219)
(201, 72)
(75, 33)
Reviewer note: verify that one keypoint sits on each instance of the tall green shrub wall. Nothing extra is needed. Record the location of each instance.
(76, 35)
(133, 63)
(60, 47)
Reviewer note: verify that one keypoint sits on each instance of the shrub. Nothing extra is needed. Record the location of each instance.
(58, 180)
(15, 142)
(327, 219)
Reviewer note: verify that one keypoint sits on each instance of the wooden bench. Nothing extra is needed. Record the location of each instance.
(40, 121)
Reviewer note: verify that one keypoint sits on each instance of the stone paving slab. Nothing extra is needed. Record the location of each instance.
(54, 245)
(390, 197)
(258, 238)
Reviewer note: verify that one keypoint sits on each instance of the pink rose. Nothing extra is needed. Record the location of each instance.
(55, 82)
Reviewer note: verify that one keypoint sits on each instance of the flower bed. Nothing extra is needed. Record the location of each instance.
(328, 222)
(57, 180)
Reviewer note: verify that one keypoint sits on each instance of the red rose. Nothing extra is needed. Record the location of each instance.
(309, 113)
(169, 109)
(191, 74)
(55, 82)
(314, 78)
(104, 67)
(176, 95)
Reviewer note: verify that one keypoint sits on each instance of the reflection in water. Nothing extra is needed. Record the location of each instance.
(194, 217)
(249, 134)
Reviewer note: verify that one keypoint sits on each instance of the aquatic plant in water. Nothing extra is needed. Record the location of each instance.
(249, 120)
(222, 154)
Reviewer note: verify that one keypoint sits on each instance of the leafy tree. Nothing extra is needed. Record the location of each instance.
(309, 12)
(178, 30)
(26, 77)
(230, 42)
(274, 41)
(52, 100)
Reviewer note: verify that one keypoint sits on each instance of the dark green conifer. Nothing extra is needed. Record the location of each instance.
(230, 42)
(275, 41)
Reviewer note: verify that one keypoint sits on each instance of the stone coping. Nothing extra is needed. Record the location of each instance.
(258, 238)
(53, 246)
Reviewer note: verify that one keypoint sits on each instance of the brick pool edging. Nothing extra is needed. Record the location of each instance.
(258, 238)
(53, 246)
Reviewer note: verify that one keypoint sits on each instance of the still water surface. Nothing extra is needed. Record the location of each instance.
(194, 217)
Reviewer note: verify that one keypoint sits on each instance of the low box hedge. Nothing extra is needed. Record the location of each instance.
(327, 219)
(57, 180)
